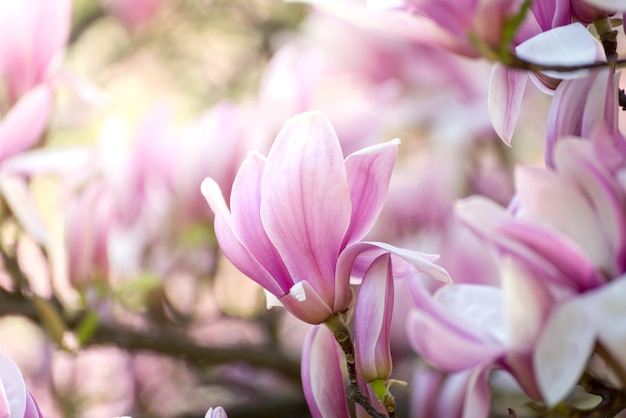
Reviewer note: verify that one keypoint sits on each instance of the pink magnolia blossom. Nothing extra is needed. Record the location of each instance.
(133, 14)
(292, 214)
(569, 237)
(15, 399)
(33, 34)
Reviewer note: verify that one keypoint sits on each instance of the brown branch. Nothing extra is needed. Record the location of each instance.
(162, 341)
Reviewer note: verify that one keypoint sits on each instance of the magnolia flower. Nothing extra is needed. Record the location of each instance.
(569, 237)
(33, 34)
(293, 213)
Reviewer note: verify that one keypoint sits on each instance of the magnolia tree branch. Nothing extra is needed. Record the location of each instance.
(353, 391)
(160, 341)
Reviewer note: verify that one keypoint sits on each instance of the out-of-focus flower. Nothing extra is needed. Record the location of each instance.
(322, 378)
(217, 412)
(33, 34)
(456, 395)
(292, 214)
(133, 14)
(15, 399)
(568, 236)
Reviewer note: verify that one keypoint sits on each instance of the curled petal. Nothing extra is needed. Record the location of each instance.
(506, 90)
(306, 304)
(322, 378)
(369, 171)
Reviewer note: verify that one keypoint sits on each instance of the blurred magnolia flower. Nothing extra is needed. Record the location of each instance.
(15, 399)
(133, 14)
(217, 412)
(568, 241)
(33, 35)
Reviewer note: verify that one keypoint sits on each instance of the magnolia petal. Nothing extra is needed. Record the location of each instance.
(217, 412)
(372, 321)
(506, 91)
(566, 112)
(230, 244)
(245, 204)
(526, 304)
(369, 171)
(25, 123)
(612, 5)
(13, 386)
(607, 311)
(322, 378)
(563, 46)
(562, 351)
(48, 161)
(15, 191)
(446, 346)
(306, 202)
(547, 196)
(601, 105)
(306, 304)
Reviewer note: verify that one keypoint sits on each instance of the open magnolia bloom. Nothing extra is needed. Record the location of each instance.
(292, 213)
(568, 238)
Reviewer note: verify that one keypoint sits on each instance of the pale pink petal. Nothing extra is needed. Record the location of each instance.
(526, 305)
(506, 90)
(306, 202)
(230, 244)
(478, 394)
(322, 378)
(13, 386)
(611, 5)
(369, 171)
(601, 105)
(16, 194)
(562, 351)
(245, 203)
(446, 345)
(306, 304)
(23, 126)
(372, 321)
(57, 160)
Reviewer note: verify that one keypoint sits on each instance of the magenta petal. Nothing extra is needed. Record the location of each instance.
(245, 203)
(369, 171)
(24, 124)
(230, 244)
(372, 321)
(306, 201)
(322, 378)
(506, 90)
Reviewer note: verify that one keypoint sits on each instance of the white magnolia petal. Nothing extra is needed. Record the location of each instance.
(563, 46)
(562, 351)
